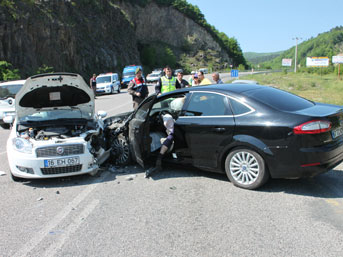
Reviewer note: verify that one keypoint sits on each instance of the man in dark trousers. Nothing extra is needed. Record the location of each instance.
(92, 84)
(138, 89)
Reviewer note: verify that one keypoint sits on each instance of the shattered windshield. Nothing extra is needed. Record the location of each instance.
(46, 115)
(9, 91)
(106, 79)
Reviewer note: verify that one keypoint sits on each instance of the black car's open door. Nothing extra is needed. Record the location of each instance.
(139, 128)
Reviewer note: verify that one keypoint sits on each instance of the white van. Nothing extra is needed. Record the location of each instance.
(107, 83)
(8, 90)
(204, 70)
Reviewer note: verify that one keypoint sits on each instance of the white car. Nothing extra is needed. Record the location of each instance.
(244, 81)
(8, 90)
(55, 132)
(107, 83)
(153, 77)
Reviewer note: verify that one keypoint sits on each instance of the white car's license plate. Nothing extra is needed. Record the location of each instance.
(337, 132)
(62, 162)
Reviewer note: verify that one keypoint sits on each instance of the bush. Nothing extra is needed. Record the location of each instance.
(7, 72)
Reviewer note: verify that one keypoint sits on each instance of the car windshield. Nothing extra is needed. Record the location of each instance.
(48, 115)
(280, 99)
(106, 79)
(128, 74)
(9, 91)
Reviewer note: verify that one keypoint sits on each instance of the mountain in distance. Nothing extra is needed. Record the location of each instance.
(256, 58)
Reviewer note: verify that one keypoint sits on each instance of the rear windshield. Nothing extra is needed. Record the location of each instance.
(280, 99)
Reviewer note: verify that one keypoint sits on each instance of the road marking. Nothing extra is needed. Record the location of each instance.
(40, 235)
(57, 245)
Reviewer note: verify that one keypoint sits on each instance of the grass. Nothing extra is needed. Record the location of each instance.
(324, 89)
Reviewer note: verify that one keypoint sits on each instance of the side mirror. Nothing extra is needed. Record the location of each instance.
(102, 114)
(8, 119)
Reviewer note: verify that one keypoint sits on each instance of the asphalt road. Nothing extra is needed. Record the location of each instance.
(179, 212)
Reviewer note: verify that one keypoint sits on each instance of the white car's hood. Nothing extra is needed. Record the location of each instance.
(54, 91)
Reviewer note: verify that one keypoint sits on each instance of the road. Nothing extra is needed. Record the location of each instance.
(179, 212)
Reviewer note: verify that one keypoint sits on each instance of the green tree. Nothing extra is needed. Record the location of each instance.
(7, 72)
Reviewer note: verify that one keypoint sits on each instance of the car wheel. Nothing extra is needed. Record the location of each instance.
(5, 125)
(118, 91)
(246, 169)
(120, 151)
(112, 90)
(17, 179)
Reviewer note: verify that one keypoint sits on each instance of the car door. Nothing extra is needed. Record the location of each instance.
(208, 125)
(139, 128)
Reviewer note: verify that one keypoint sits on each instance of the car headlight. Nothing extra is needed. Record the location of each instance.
(21, 145)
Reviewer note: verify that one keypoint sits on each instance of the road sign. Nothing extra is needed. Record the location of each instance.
(234, 73)
(337, 59)
(287, 62)
(317, 61)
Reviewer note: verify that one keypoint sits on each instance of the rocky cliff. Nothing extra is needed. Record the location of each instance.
(87, 36)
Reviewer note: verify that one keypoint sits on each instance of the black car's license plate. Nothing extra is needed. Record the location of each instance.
(62, 162)
(337, 132)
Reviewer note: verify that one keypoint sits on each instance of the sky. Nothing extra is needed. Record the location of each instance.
(265, 26)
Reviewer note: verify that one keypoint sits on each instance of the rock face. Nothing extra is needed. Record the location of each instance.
(94, 36)
(69, 37)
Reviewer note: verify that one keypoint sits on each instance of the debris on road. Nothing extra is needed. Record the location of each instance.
(131, 177)
(172, 188)
(40, 199)
(57, 192)
(2, 173)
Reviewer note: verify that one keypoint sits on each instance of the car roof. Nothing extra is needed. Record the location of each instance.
(13, 82)
(233, 88)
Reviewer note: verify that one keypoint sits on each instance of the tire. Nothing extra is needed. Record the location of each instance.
(120, 151)
(5, 125)
(112, 91)
(118, 91)
(17, 179)
(245, 168)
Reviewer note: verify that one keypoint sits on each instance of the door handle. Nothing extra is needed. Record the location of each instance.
(218, 129)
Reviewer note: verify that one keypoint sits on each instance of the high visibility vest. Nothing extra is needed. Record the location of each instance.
(168, 85)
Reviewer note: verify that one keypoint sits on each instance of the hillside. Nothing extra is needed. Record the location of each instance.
(94, 36)
(325, 44)
(256, 58)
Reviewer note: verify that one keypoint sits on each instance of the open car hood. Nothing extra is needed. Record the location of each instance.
(54, 91)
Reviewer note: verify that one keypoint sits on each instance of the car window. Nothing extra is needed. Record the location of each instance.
(239, 108)
(9, 91)
(172, 104)
(280, 99)
(208, 104)
(105, 79)
(143, 110)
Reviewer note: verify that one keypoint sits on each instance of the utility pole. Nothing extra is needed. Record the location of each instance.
(296, 53)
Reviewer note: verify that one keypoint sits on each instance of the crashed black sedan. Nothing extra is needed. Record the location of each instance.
(250, 132)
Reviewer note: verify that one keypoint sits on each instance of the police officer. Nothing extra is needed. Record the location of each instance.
(167, 83)
(138, 89)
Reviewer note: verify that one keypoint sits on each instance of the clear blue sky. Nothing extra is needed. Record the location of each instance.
(265, 26)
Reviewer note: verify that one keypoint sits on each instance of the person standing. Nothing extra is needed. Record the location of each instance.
(196, 81)
(183, 83)
(92, 84)
(191, 79)
(138, 89)
(167, 83)
(203, 80)
(216, 78)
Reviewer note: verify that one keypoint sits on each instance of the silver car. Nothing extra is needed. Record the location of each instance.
(8, 90)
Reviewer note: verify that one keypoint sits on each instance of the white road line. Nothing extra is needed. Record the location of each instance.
(57, 245)
(40, 235)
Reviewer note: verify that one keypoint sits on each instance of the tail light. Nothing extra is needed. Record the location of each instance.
(312, 127)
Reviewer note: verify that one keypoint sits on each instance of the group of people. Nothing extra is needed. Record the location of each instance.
(167, 83)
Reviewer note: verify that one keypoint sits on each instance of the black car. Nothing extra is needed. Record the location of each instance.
(250, 132)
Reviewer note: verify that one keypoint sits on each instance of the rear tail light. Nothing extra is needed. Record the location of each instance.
(312, 127)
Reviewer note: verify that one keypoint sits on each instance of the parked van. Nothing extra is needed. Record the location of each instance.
(129, 74)
(204, 70)
(107, 83)
(8, 90)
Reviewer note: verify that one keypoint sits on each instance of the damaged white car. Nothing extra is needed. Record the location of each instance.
(56, 132)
